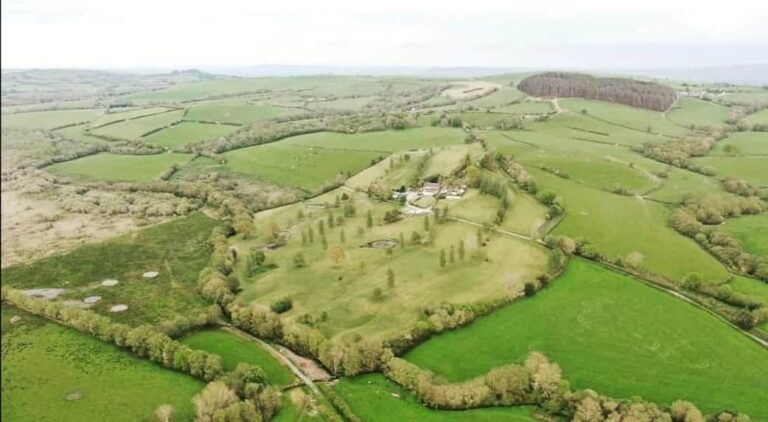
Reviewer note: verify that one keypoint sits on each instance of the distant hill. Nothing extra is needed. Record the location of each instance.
(618, 90)
(747, 74)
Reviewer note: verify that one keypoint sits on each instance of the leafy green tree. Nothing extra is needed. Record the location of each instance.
(390, 278)
(442, 258)
(299, 261)
(369, 219)
(462, 252)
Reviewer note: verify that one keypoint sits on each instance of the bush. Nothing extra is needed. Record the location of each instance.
(283, 305)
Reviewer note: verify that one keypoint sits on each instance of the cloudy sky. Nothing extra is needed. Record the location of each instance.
(553, 33)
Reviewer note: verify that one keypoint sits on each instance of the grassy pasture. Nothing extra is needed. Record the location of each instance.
(473, 206)
(76, 133)
(234, 349)
(386, 141)
(232, 112)
(135, 128)
(759, 118)
(636, 118)
(108, 118)
(752, 169)
(371, 398)
(602, 218)
(500, 98)
(692, 111)
(188, 132)
(115, 168)
(444, 161)
(344, 291)
(177, 250)
(752, 231)
(291, 164)
(402, 174)
(750, 286)
(44, 362)
(742, 143)
(617, 336)
(525, 214)
(680, 183)
(526, 107)
(342, 103)
(233, 87)
(48, 119)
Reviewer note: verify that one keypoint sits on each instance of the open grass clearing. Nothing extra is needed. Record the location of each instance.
(344, 292)
(48, 119)
(375, 398)
(119, 168)
(502, 97)
(617, 336)
(749, 286)
(752, 231)
(234, 349)
(177, 250)
(136, 128)
(44, 362)
(445, 161)
(185, 133)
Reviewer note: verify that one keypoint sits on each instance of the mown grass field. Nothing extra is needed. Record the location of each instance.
(692, 111)
(752, 231)
(119, 168)
(234, 349)
(617, 336)
(44, 362)
(502, 97)
(387, 141)
(187, 133)
(136, 128)
(177, 250)
(48, 119)
(344, 291)
(372, 398)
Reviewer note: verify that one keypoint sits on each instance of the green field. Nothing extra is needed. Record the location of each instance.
(44, 362)
(48, 119)
(119, 168)
(749, 286)
(233, 112)
(636, 118)
(617, 336)
(601, 218)
(752, 231)
(291, 164)
(500, 98)
(526, 107)
(234, 349)
(177, 250)
(108, 118)
(344, 292)
(759, 118)
(387, 141)
(743, 143)
(749, 168)
(692, 111)
(375, 398)
(187, 133)
(136, 128)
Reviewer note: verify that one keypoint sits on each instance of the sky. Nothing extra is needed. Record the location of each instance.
(419, 33)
